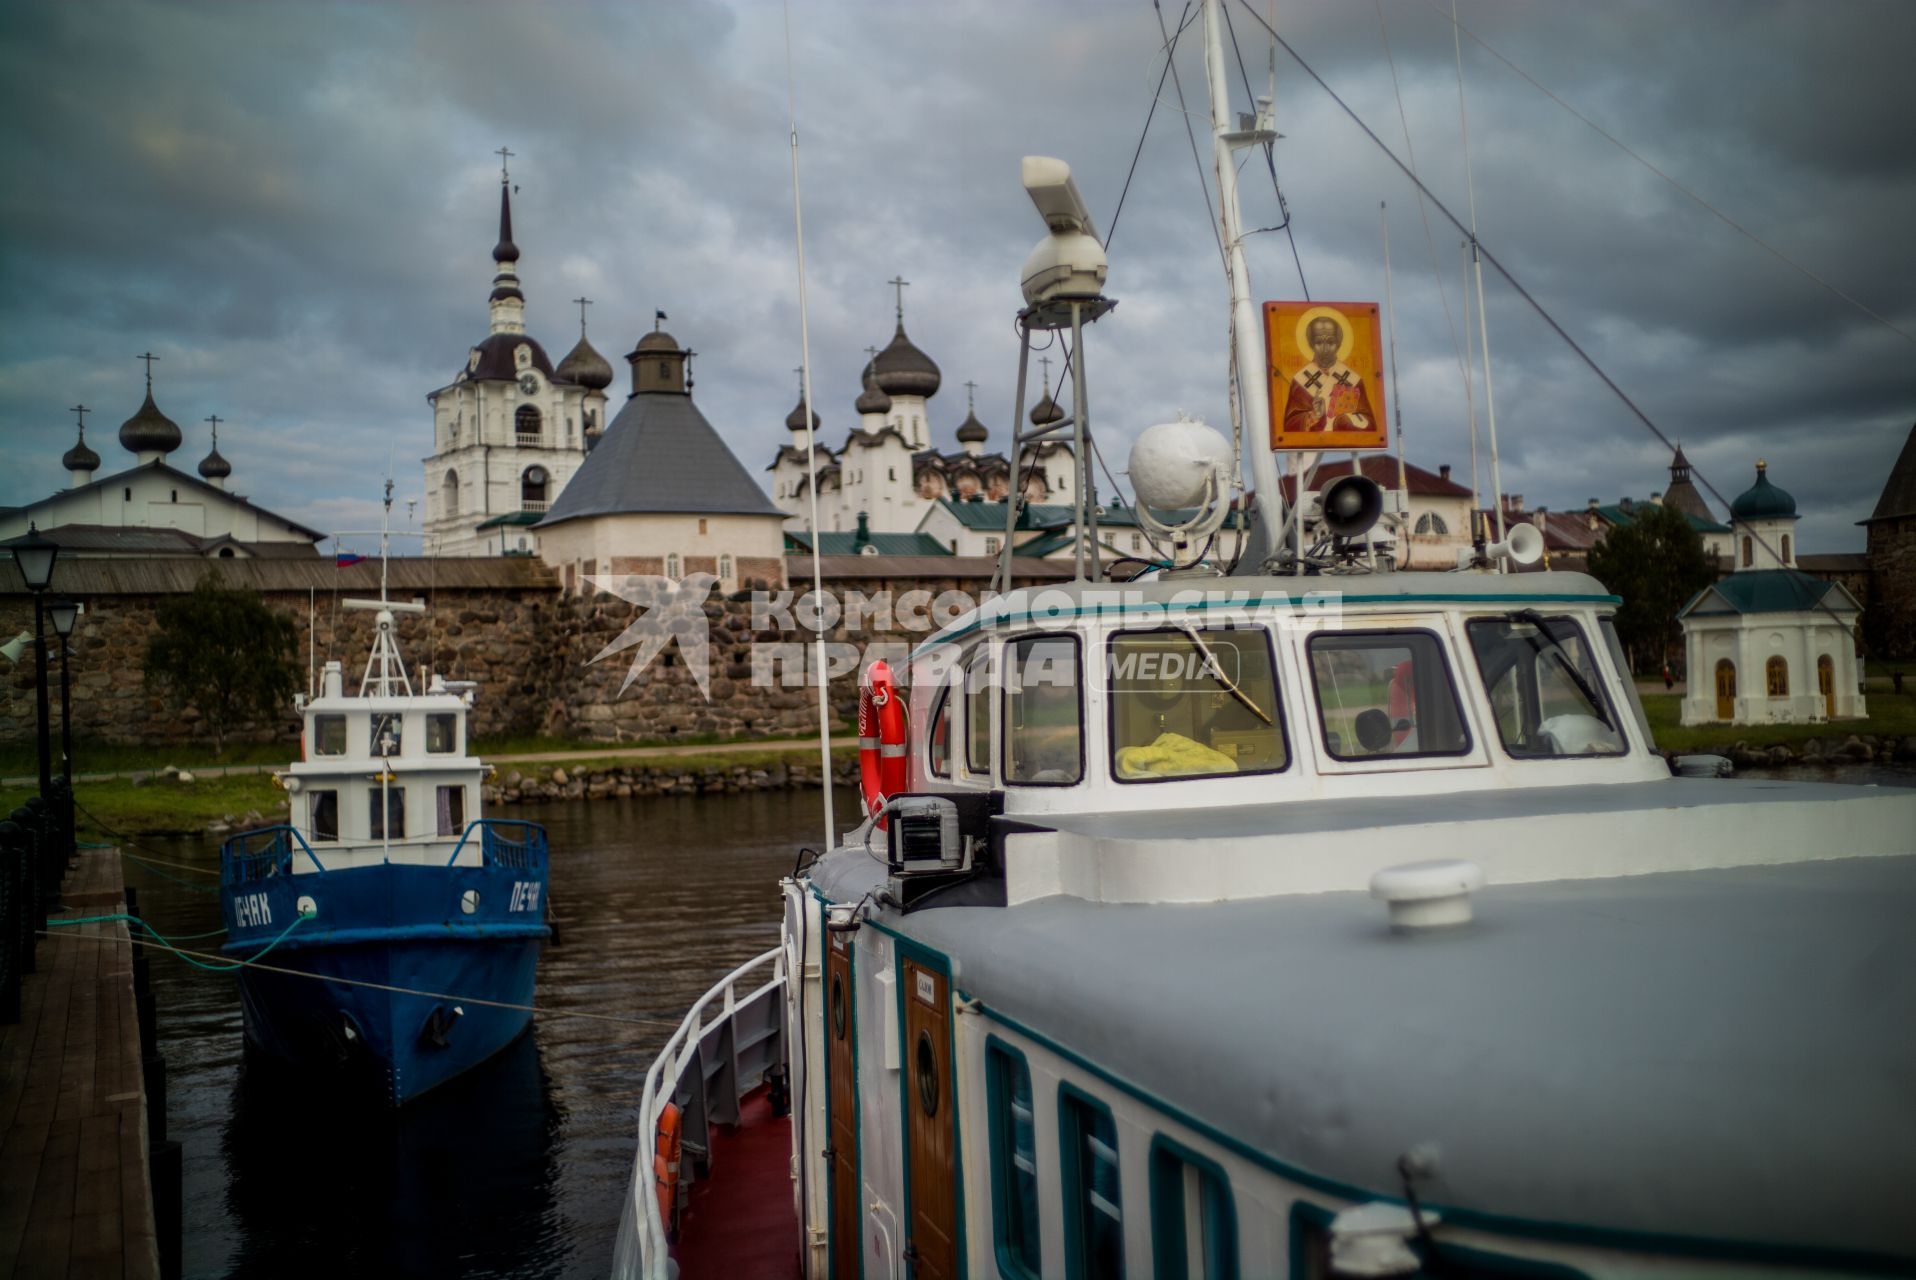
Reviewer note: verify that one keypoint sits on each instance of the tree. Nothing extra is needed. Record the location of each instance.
(1656, 563)
(223, 652)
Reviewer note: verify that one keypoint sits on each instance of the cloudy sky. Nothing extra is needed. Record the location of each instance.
(293, 206)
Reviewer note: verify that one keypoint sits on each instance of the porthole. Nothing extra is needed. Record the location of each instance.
(927, 1074)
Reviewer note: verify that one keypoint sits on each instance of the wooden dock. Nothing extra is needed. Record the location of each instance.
(76, 1198)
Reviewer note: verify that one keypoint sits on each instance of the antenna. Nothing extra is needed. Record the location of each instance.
(1477, 260)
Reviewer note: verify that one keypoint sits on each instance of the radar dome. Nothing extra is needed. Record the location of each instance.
(1172, 461)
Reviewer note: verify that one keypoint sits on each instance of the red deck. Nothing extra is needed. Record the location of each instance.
(741, 1221)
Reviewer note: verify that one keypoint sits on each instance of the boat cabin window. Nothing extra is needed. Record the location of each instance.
(329, 735)
(325, 814)
(978, 710)
(394, 825)
(1190, 703)
(1093, 1200)
(452, 810)
(384, 740)
(1386, 694)
(1044, 712)
(1014, 1162)
(1545, 690)
(938, 738)
(1193, 1219)
(442, 732)
(1620, 663)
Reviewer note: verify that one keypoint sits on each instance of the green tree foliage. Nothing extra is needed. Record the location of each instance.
(1656, 563)
(222, 652)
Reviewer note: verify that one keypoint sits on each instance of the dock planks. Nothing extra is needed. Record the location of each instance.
(75, 1196)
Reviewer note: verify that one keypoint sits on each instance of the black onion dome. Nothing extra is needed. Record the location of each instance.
(873, 398)
(497, 361)
(586, 366)
(657, 340)
(971, 429)
(149, 430)
(904, 370)
(1763, 500)
(1046, 412)
(214, 466)
(505, 250)
(79, 457)
(795, 420)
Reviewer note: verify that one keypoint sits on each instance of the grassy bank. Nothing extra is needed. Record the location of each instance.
(1889, 716)
(162, 806)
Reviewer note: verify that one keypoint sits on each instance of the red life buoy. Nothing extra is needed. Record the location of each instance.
(666, 1152)
(881, 738)
(1403, 703)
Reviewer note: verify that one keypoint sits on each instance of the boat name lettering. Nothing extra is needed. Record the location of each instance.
(251, 910)
(525, 895)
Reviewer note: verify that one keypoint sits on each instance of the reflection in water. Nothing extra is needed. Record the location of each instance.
(517, 1168)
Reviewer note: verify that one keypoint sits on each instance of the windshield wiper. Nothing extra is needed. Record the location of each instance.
(1542, 629)
(1217, 673)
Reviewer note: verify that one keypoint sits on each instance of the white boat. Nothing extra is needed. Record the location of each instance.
(1306, 924)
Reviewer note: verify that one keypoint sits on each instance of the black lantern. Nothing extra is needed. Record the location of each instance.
(63, 614)
(35, 556)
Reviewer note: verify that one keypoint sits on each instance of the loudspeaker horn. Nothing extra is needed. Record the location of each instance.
(1522, 543)
(14, 648)
(1351, 505)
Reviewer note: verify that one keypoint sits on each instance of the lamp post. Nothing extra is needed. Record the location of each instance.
(64, 614)
(35, 556)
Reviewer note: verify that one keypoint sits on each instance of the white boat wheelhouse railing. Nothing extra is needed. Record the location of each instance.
(642, 1248)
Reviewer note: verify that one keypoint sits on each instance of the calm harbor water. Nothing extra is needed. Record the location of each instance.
(516, 1169)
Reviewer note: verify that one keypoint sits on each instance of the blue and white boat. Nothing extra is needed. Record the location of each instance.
(396, 930)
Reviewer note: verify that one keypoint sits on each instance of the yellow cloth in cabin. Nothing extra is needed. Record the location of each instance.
(1172, 755)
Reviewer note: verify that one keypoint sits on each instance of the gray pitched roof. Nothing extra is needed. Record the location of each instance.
(1899, 491)
(660, 455)
(179, 477)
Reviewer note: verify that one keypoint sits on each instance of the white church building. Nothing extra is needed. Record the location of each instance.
(1768, 643)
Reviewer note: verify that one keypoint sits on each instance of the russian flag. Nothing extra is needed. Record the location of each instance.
(347, 558)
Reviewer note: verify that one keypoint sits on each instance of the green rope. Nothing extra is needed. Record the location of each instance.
(163, 940)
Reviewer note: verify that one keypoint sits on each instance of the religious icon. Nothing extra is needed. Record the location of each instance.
(1327, 375)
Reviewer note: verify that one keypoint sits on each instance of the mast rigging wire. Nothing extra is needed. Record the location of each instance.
(1210, 210)
(1171, 46)
(1721, 216)
(1270, 162)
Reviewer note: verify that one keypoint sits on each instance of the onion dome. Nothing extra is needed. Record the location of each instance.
(1046, 411)
(79, 457)
(657, 340)
(873, 398)
(214, 465)
(586, 366)
(1763, 500)
(904, 370)
(795, 420)
(505, 250)
(971, 430)
(149, 430)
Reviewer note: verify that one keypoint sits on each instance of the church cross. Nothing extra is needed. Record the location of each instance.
(583, 302)
(149, 357)
(971, 389)
(505, 174)
(800, 371)
(81, 411)
(214, 418)
(899, 283)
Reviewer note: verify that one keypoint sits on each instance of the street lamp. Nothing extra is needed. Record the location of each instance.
(65, 613)
(34, 555)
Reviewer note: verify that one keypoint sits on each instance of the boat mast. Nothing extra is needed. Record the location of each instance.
(1477, 261)
(1253, 387)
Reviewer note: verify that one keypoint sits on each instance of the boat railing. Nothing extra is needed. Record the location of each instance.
(505, 842)
(263, 852)
(716, 1057)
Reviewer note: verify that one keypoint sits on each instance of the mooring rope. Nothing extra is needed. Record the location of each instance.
(218, 966)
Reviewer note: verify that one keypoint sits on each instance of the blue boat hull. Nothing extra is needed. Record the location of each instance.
(391, 986)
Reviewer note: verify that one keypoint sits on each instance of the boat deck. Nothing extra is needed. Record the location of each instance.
(742, 1220)
(74, 1193)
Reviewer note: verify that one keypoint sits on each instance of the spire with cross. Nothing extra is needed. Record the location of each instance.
(505, 158)
(899, 284)
(149, 357)
(214, 418)
(583, 302)
(80, 412)
(971, 389)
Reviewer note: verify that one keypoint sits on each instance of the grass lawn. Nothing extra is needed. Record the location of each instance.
(18, 759)
(1888, 715)
(117, 806)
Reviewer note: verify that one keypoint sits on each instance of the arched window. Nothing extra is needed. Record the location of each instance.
(1776, 673)
(526, 422)
(1786, 548)
(726, 569)
(449, 493)
(226, 553)
(532, 489)
(674, 568)
(1432, 523)
(1749, 551)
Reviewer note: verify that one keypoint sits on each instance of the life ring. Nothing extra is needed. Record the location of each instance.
(666, 1149)
(881, 738)
(1403, 703)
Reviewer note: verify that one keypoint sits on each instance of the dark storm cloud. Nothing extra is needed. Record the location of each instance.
(293, 207)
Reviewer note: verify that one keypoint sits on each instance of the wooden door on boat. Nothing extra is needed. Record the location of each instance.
(1725, 690)
(842, 1154)
(932, 1158)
